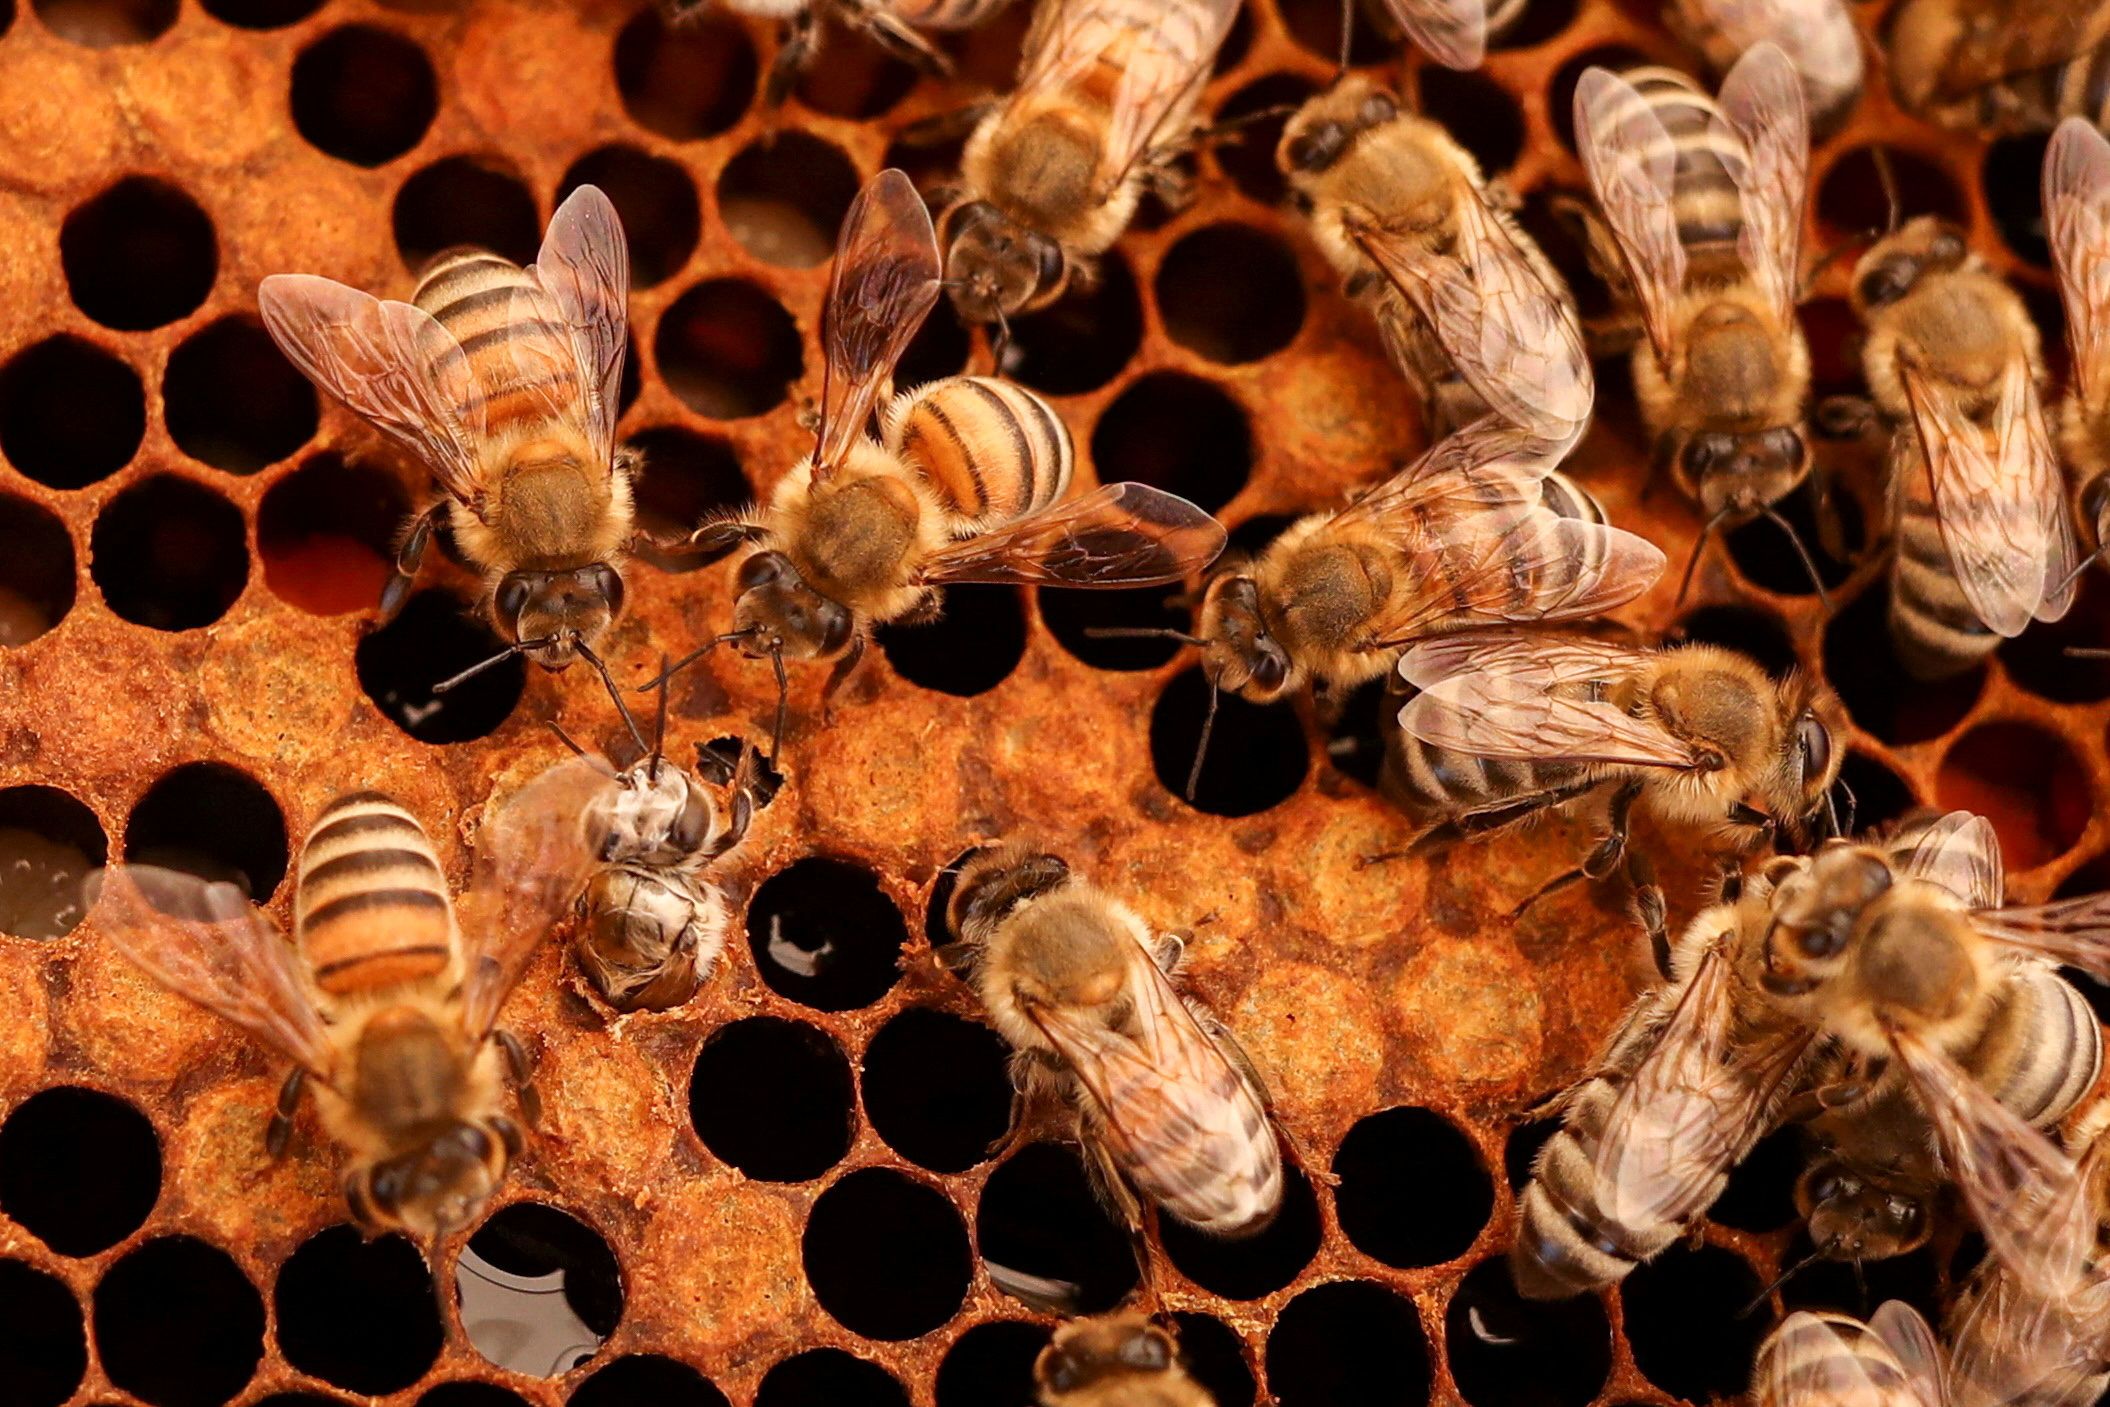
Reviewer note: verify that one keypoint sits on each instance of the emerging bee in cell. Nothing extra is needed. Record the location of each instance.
(1168, 1107)
(895, 25)
(1818, 36)
(2000, 66)
(1831, 1360)
(388, 999)
(1116, 1360)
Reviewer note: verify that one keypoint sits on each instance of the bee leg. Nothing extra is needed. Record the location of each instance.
(410, 554)
(795, 50)
(941, 128)
(897, 38)
(1651, 909)
(1844, 417)
(1851, 1087)
(523, 1075)
(839, 675)
(359, 1203)
(280, 1131)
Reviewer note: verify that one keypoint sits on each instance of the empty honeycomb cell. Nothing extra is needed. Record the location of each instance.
(169, 554)
(468, 1392)
(1848, 1287)
(36, 573)
(300, 1399)
(535, 1242)
(937, 1088)
(70, 413)
(2037, 659)
(1851, 201)
(233, 401)
(1880, 795)
(646, 1378)
(1178, 433)
(79, 1169)
(1835, 338)
(1350, 1343)
(685, 83)
(1747, 629)
(1766, 556)
(1083, 339)
(886, 1255)
(43, 1349)
(1216, 1359)
(1315, 25)
(1560, 94)
(784, 198)
(936, 930)
(261, 14)
(939, 349)
(824, 934)
(977, 640)
(2009, 172)
(177, 1324)
(1861, 663)
(358, 1313)
(326, 535)
(1072, 616)
(49, 842)
(687, 479)
(1231, 293)
(1507, 1351)
(728, 349)
(1246, 153)
(138, 255)
(363, 94)
(103, 24)
(1237, 41)
(1046, 1236)
(1685, 1323)
(1520, 1151)
(1416, 1148)
(465, 200)
(435, 637)
(1760, 1195)
(852, 76)
(657, 203)
(211, 820)
(829, 1377)
(1257, 756)
(772, 1098)
(1355, 745)
(990, 1363)
(1478, 112)
(2026, 781)
(1255, 1265)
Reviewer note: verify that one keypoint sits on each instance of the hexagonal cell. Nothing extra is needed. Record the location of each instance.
(214, 821)
(2025, 781)
(1746, 629)
(646, 1378)
(1418, 1148)
(1507, 1351)
(358, 1313)
(1862, 664)
(326, 535)
(1350, 1343)
(434, 638)
(728, 349)
(529, 1252)
(1231, 293)
(1879, 794)
(70, 413)
(1685, 1323)
(138, 255)
(177, 1324)
(41, 1338)
(465, 200)
(49, 842)
(656, 200)
(104, 24)
(1046, 1236)
(937, 1088)
(991, 1362)
(1072, 617)
(1479, 112)
(1178, 433)
(1560, 94)
(886, 1254)
(1081, 341)
(169, 554)
(772, 1098)
(1256, 754)
(1846, 1287)
(851, 76)
(363, 94)
(261, 14)
(1760, 1195)
(233, 401)
(2037, 659)
(2010, 173)
(1247, 153)
(1778, 556)
(824, 933)
(687, 83)
(36, 573)
(784, 197)
(687, 479)
(79, 1169)
(829, 1377)
(1315, 25)
(470, 1393)
(1850, 197)
(972, 647)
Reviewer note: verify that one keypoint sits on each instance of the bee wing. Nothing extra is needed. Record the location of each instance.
(1123, 534)
(2077, 216)
(584, 267)
(1633, 169)
(1488, 468)
(886, 278)
(1528, 697)
(390, 364)
(531, 858)
(1452, 32)
(2075, 932)
(1807, 1363)
(2001, 511)
(1960, 853)
(1899, 1327)
(1763, 104)
(206, 941)
(2008, 1344)
(1818, 36)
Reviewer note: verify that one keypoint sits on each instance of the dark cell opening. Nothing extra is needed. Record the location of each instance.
(1835, 1285)
(1257, 756)
(1046, 1236)
(433, 639)
(465, 200)
(829, 1377)
(532, 1240)
(973, 645)
(358, 1314)
(70, 413)
(688, 83)
(326, 535)
(261, 14)
(1254, 534)
(1761, 1191)
(1082, 340)
(139, 255)
(936, 931)
(36, 572)
(937, 1088)
(363, 95)
(1177, 433)
(470, 1393)
(1071, 615)
(1216, 1359)
(2011, 174)
(1539, 21)
(300, 1399)
(1766, 558)
(938, 350)
(1247, 154)
(1880, 795)
(2024, 780)
(853, 77)
(1348, 1344)
(43, 1350)
(169, 554)
(824, 934)
(1746, 629)
(1851, 198)
(728, 349)
(1412, 1190)
(657, 203)
(687, 478)
(886, 1255)
(1507, 1351)
(1685, 1323)
(102, 24)
(233, 401)
(638, 1379)
(178, 1325)
(1836, 338)
(1480, 114)
(1237, 40)
(48, 843)
(1560, 97)
(991, 1363)
(772, 1098)
(1231, 293)
(210, 820)
(1316, 27)
(1520, 1151)
(1861, 663)
(1355, 739)
(1254, 1265)
(784, 197)
(2037, 659)
(79, 1169)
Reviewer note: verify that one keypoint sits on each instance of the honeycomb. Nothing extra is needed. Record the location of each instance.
(781, 1193)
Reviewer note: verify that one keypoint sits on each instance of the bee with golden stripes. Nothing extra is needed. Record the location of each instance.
(895, 25)
(1167, 1105)
(387, 1001)
(2077, 221)
(2000, 66)
(1115, 1360)
(1831, 1360)
(1818, 36)
(966, 485)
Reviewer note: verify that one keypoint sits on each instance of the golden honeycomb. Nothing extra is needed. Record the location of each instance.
(779, 1194)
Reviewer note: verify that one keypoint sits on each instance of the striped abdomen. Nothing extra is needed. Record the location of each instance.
(2042, 1050)
(1936, 631)
(371, 907)
(944, 14)
(2034, 100)
(1710, 161)
(507, 330)
(1830, 1359)
(992, 450)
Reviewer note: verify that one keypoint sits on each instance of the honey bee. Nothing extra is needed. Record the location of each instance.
(1830, 1360)
(1167, 1105)
(967, 485)
(1818, 36)
(1470, 309)
(1983, 542)
(387, 1003)
(1701, 238)
(2077, 220)
(895, 25)
(1116, 1360)
(2000, 66)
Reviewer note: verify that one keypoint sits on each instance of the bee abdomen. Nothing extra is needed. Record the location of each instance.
(506, 329)
(1434, 784)
(945, 14)
(1709, 159)
(371, 907)
(1568, 1242)
(1936, 631)
(1212, 1161)
(2049, 1048)
(992, 451)
(1802, 1362)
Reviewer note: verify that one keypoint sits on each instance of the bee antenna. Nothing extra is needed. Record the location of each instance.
(1809, 563)
(2086, 652)
(1889, 178)
(501, 657)
(1201, 748)
(776, 736)
(1142, 632)
(1003, 337)
(1794, 1268)
(1852, 807)
(1347, 37)
(1692, 563)
(600, 667)
(659, 720)
(668, 671)
(2081, 566)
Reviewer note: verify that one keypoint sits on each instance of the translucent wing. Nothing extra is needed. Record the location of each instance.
(1899, 1326)
(206, 941)
(584, 268)
(1817, 35)
(1123, 534)
(1633, 169)
(886, 278)
(2077, 219)
(2009, 1344)
(2075, 932)
(1960, 853)
(1807, 1363)
(390, 364)
(1762, 102)
(1488, 471)
(532, 856)
(1452, 32)
(1532, 697)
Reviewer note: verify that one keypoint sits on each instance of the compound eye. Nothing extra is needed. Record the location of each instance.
(1147, 1351)
(512, 598)
(694, 820)
(835, 626)
(1823, 940)
(1787, 443)
(759, 570)
(1704, 452)
(385, 1188)
(1269, 670)
(1318, 148)
(1048, 261)
(1948, 248)
(1380, 106)
(1888, 283)
(607, 582)
(1905, 1214)
(1814, 741)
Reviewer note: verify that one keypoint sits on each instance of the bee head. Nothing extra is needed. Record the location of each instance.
(658, 814)
(1851, 1219)
(1241, 654)
(995, 267)
(1739, 475)
(1894, 265)
(1807, 769)
(1815, 913)
(997, 882)
(1089, 1351)
(777, 613)
(557, 610)
(440, 1184)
